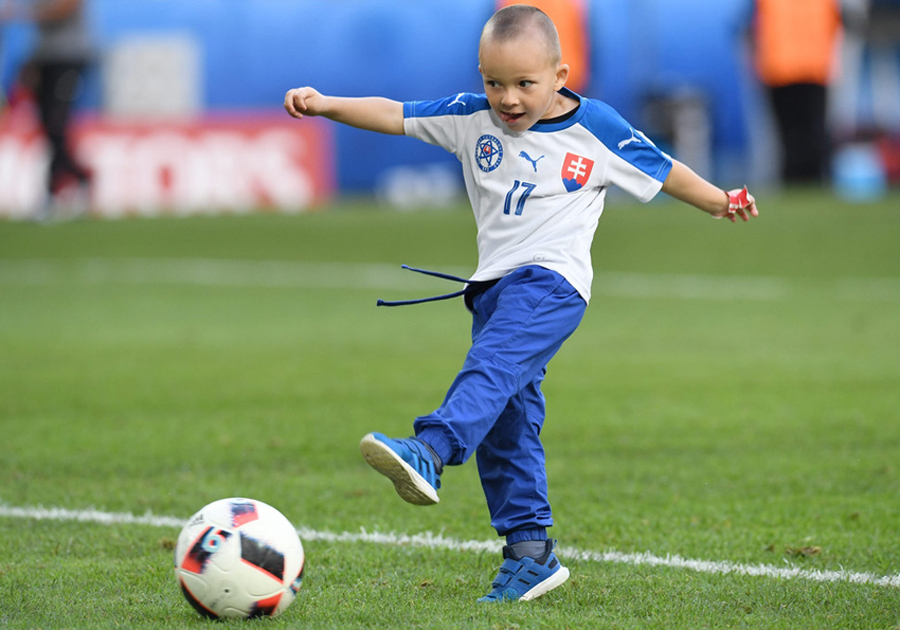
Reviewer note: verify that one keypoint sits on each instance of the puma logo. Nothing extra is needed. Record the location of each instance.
(522, 154)
(458, 99)
(633, 138)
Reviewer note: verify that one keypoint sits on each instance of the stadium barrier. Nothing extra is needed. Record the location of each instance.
(213, 164)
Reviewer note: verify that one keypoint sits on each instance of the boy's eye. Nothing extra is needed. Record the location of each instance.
(526, 84)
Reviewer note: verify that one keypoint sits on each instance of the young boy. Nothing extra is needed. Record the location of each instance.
(537, 160)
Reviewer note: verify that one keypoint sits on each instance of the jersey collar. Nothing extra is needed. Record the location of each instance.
(546, 127)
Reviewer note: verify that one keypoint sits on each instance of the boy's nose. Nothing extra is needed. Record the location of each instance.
(509, 98)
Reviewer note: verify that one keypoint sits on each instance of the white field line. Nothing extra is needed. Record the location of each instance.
(382, 276)
(438, 541)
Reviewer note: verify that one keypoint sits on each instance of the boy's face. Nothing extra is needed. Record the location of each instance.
(521, 80)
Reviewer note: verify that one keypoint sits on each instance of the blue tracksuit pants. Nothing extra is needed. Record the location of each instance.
(495, 408)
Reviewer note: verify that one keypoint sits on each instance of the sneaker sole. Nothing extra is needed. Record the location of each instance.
(547, 585)
(410, 485)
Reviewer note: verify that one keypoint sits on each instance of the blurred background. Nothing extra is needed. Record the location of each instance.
(176, 107)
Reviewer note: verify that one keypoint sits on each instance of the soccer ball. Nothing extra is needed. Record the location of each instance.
(239, 558)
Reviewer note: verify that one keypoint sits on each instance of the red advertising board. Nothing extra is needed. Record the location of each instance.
(218, 163)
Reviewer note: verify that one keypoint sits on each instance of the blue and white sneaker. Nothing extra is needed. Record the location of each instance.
(521, 578)
(408, 462)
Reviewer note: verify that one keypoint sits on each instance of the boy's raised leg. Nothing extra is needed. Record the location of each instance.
(408, 462)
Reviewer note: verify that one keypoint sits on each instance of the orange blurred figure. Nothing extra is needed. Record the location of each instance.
(795, 49)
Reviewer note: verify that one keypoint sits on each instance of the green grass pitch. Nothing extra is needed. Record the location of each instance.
(733, 396)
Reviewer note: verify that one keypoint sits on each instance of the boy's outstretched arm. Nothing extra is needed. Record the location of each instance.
(372, 113)
(685, 185)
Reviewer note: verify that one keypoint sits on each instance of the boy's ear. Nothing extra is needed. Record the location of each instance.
(562, 74)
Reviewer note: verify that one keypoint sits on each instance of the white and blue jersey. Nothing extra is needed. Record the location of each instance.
(538, 195)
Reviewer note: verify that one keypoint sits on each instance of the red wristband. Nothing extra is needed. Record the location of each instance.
(738, 199)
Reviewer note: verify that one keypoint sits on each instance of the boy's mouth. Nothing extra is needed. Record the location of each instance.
(511, 118)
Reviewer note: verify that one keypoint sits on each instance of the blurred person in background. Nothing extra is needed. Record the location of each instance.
(55, 74)
(795, 47)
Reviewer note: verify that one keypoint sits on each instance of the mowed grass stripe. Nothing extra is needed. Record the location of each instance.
(333, 275)
(437, 541)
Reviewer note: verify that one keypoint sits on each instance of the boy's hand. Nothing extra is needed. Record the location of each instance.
(304, 101)
(740, 204)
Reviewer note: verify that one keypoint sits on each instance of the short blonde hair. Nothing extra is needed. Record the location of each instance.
(518, 19)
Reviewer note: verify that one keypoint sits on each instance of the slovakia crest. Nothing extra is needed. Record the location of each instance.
(576, 170)
(488, 153)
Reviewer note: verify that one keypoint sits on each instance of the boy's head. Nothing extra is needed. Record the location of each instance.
(520, 62)
(519, 20)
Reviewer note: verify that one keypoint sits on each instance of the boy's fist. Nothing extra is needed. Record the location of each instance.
(302, 101)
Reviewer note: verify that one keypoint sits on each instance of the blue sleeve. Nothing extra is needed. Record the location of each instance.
(461, 104)
(443, 122)
(625, 141)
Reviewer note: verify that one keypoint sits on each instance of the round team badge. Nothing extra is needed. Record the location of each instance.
(488, 153)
